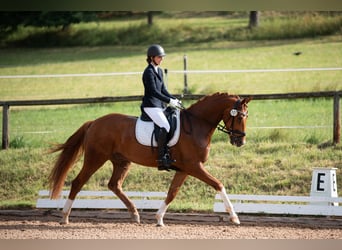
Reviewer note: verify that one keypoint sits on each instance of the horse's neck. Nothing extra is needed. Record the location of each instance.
(207, 117)
(211, 108)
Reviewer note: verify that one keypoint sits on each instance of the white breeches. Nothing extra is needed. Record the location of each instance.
(158, 117)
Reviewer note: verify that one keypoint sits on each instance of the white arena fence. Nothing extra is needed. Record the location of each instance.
(102, 200)
(171, 71)
(249, 204)
(284, 205)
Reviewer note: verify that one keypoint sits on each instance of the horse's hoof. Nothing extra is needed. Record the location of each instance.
(160, 221)
(64, 222)
(136, 218)
(234, 219)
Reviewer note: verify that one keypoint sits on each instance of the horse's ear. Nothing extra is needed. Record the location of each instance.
(246, 100)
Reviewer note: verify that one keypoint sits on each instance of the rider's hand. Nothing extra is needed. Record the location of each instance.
(175, 103)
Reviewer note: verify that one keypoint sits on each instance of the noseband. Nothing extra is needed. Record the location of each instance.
(233, 113)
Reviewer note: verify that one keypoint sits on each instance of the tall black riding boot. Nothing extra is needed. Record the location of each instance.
(164, 159)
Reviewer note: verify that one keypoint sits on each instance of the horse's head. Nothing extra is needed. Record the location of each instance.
(235, 118)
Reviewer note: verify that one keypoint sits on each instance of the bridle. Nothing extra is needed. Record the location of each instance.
(234, 112)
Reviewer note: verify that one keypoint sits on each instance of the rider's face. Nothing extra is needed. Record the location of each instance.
(158, 59)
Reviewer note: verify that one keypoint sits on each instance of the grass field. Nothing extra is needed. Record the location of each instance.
(223, 56)
(210, 42)
(276, 160)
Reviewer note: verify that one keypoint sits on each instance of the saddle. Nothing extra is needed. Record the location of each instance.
(146, 131)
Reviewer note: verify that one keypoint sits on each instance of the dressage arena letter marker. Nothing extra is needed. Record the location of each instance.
(319, 181)
(324, 184)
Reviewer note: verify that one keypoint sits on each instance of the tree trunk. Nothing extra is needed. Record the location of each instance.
(150, 18)
(253, 19)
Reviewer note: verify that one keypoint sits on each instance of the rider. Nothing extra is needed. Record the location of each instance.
(155, 99)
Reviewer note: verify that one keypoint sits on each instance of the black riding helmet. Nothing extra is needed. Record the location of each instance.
(155, 50)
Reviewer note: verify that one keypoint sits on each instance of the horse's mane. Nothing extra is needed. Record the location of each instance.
(213, 97)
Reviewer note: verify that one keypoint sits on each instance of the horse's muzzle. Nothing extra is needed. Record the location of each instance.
(237, 141)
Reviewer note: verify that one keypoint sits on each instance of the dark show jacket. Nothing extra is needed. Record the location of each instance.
(155, 93)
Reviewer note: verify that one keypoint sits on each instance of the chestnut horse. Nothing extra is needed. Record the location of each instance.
(112, 137)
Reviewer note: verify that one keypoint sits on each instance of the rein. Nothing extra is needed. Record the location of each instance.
(230, 131)
(187, 113)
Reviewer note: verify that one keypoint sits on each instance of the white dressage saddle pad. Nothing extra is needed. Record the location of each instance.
(144, 130)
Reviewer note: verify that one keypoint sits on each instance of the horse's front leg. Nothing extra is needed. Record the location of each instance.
(201, 173)
(229, 207)
(176, 183)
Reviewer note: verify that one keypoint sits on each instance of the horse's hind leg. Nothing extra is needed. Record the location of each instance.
(176, 183)
(120, 171)
(90, 166)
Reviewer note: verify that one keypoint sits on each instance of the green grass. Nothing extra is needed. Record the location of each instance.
(276, 160)
(177, 29)
(203, 39)
(226, 55)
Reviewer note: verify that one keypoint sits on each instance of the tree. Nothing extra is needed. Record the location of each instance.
(11, 20)
(150, 17)
(253, 19)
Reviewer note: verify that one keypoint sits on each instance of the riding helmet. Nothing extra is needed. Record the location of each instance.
(155, 50)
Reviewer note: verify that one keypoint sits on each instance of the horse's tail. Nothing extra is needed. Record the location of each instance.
(71, 151)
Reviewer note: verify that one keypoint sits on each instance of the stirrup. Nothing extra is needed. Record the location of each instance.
(165, 162)
(161, 168)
